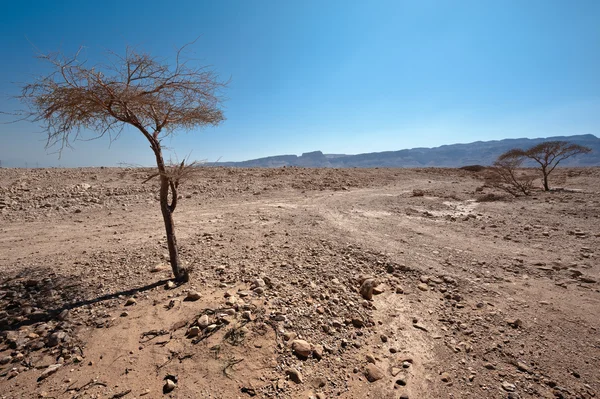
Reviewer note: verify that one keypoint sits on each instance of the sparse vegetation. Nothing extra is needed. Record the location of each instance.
(473, 168)
(507, 176)
(134, 90)
(547, 155)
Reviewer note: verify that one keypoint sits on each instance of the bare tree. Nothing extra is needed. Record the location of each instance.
(135, 90)
(506, 175)
(548, 155)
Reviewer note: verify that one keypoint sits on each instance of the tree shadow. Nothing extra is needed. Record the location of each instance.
(39, 295)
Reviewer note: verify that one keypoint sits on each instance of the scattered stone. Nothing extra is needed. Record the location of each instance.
(203, 322)
(366, 288)
(130, 302)
(401, 381)
(373, 373)
(289, 336)
(514, 323)
(170, 285)
(523, 367)
(358, 323)
(169, 386)
(194, 332)
(508, 387)
(318, 351)
(192, 296)
(49, 371)
(294, 375)
(301, 348)
(158, 268)
(445, 377)
(56, 338)
(423, 287)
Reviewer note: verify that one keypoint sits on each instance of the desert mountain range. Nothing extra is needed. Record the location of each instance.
(454, 155)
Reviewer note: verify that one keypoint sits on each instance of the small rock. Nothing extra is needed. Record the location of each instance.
(301, 348)
(130, 302)
(192, 296)
(523, 367)
(508, 387)
(56, 338)
(423, 287)
(514, 323)
(203, 322)
(373, 373)
(289, 336)
(169, 386)
(49, 371)
(366, 288)
(6, 359)
(445, 377)
(318, 351)
(193, 332)
(170, 285)
(294, 375)
(358, 323)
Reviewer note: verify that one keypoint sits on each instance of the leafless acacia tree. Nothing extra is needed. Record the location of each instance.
(547, 154)
(505, 174)
(135, 89)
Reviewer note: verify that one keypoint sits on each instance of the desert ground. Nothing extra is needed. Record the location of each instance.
(305, 283)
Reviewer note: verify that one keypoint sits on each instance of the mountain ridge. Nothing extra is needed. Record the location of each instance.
(447, 155)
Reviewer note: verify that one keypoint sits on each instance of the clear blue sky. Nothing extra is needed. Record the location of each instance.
(337, 76)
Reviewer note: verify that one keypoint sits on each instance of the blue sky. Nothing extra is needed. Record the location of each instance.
(337, 76)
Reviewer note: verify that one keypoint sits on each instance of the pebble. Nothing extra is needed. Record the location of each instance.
(192, 296)
(366, 288)
(169, 386)
(193, 332)
(294, 375)
(508, 387)
(301, 348)
(49, 371)
(373, 373)
(130, 302)
(423, 287)
(203, 322)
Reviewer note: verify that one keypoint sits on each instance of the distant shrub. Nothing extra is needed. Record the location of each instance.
(490, 197)
(473, 168)
(418, 193)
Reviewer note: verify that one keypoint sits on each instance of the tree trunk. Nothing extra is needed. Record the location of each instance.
(167, 213)
(546, 188)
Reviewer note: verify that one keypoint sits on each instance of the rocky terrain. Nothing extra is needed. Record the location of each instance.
(306, 283)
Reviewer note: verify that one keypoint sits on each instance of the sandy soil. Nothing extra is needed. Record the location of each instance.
(473, 299)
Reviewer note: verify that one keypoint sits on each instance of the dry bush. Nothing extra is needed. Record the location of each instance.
(418, 193)
(506, 176)
(473, 168)
(491, 197)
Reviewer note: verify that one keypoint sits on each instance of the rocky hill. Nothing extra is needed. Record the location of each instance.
(454, 155)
